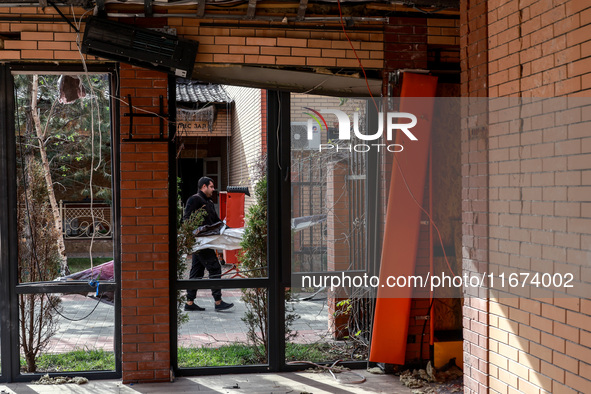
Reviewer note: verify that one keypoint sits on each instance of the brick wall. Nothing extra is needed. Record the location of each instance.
(525, 193)
(474, 83)
(405, 43)
(144, 168)
(145, 312)
(274, 45)
(245, 145)
(189, 127)
(539, 48)
(51, 40)
(261, 43)
(337, 247)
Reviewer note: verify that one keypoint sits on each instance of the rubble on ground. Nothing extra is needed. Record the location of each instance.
(430, 380)
(46, 379)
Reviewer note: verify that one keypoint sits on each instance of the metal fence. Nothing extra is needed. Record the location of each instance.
(80, 220)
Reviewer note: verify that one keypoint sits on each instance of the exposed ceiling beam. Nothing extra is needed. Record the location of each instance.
(302, 10)
(200, 8)
(435, 3)
(293, 81)
(148, 10)
(101, 9)
(252, 6)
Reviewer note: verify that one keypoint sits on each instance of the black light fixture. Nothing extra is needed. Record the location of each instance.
(139, 46)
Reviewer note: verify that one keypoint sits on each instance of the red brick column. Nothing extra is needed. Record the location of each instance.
(405, 46)
(474, 48)
(405, 43)
(337, 199)
(145, 312)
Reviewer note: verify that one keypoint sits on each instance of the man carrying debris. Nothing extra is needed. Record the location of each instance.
(205, 258)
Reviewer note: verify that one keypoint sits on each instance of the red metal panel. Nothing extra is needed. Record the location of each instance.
(235, 210)
(223, 198)
(234, 218)
(401, 233)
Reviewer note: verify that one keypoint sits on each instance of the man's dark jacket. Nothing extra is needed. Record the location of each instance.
(197, 201)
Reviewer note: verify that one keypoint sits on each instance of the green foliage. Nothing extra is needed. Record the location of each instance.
(241, 354)
(254, 264)
(254, 241)
(314, 352)
(185, 242)
(358, 333)
(76, 360)
(77, 264)
(235, 354)
(38, 260)
(344, 306)
(69, 128)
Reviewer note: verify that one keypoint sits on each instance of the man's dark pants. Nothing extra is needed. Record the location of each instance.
(205, 259)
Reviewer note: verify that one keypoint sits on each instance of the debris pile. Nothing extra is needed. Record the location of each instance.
(46, 379)
(430, 380)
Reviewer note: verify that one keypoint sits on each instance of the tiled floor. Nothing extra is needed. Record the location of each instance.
(292, 383)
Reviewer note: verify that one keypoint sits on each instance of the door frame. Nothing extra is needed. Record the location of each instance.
(278, 241)
(10, 342)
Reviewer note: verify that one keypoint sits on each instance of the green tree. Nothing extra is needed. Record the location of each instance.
(185, 242)
(69, 129)
(254, 264)
(70, 140)
(38, 260)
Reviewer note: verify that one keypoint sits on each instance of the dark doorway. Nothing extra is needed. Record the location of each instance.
(189, 171)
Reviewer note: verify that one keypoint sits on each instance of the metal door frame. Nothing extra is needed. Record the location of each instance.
(278, 241)
(10, 288)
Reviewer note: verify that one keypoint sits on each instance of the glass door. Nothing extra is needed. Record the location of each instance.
(250, 336)
(60, 239)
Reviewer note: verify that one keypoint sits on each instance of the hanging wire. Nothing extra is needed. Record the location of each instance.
(33, 242)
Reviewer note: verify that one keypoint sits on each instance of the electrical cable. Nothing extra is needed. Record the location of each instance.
(93, 97)
(33, 242)
(395, 156)
(84, 65)
(355, 52)
(330, 369)
(425, 211)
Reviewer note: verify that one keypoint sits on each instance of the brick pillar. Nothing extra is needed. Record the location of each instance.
(338, 256)
(145, 312)
(405, 45)
(474, 48)
(475, 169)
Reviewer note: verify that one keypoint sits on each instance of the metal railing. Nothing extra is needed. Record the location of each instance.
(80, 222)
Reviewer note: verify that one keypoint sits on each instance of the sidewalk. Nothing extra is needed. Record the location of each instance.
(203, 328)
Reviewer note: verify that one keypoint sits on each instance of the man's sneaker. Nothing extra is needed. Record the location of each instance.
(223, 306)
(193, 307)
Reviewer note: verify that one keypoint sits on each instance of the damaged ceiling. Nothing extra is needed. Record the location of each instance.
(284, 14)
(254, 9)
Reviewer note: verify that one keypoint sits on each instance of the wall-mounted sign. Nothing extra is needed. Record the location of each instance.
(193, 127)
